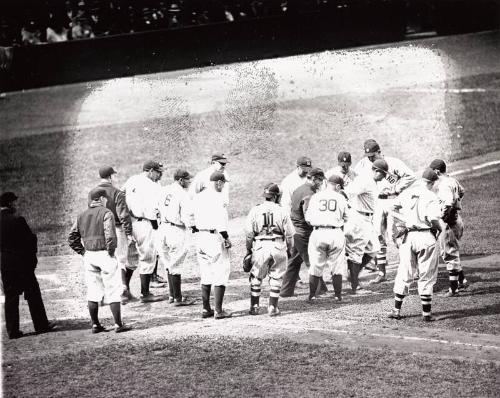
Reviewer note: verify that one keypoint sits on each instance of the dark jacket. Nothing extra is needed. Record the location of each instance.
(94, 230)
(116, 203)
(300, 202)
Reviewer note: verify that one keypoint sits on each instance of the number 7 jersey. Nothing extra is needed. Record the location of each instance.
(327, 208)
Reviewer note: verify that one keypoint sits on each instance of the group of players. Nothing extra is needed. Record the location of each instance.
(337, 221)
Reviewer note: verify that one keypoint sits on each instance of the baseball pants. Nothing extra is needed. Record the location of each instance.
(213, 259)
(172, 247)
(449, 245)
(418, 255)
(327, 249)
(102, 277)
(360, 237)
(144, 235)
(269, 258)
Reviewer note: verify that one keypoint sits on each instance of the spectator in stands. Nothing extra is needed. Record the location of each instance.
(81, 24)
(58, 28)
(30, 33)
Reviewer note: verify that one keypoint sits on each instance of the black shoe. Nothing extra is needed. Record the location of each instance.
(428, 318)
(16, 335)
(223, 314)
(184, 301)
(51, 327)
(255, 310)
(150, 298)
(207, 314)
(98, 329)
(122, 328)
(394, 314)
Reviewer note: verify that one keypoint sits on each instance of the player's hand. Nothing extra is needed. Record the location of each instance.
(111, 253)
(227, 243)
(194, 229)
(130, 239)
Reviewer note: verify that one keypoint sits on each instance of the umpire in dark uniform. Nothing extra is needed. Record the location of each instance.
(18, 248)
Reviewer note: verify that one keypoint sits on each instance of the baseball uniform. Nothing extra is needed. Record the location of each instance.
(288, 186)
(338, 170)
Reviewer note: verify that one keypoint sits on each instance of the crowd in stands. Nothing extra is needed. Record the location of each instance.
(24, 22)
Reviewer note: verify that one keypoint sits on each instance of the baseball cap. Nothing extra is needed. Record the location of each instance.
(371, 147)
(7, 198)
(429, 175)
(381, 165)
(304, 161)
(152, 165)
(96, 193)
(219, 157)
(316, 172)
(181, 173)
(344, 158)
(438, 164)
(218, 176)
(271, 190)
(106, 171)
(336, 179)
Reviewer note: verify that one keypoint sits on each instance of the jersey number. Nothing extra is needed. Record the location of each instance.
(268, 222)
(167, 200)
(330, 205)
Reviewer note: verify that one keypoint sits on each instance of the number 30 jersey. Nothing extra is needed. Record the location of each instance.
(327, 208)
(270, 220)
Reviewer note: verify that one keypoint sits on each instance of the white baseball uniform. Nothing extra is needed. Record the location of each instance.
(141, 194)
(211, 217)
(288, 186)
(360, 234)
(327, 213)
(418, 250)
(202, 180)
(102, 277)
(338, 170)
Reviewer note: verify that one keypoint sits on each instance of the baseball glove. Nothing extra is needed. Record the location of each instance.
(247, 262)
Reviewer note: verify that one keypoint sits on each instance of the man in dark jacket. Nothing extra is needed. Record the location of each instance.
(18, 248)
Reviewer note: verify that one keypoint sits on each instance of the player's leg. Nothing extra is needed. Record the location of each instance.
(95, 288)
(222, 269)
(293, 268)
(260, 258)
(33, 295)
(458, 230)
(146, 247)
(206, 278)
(178, 253)
(336, 261)
(427, 257)
(276, 270)
(380, 225)
(404, 276)
(317, 258)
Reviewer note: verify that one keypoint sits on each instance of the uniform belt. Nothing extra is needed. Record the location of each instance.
(418, 229)
(212, 231)
(364, 213)
(270, 239)
(175, 225)
(142, 219)
(324, 227)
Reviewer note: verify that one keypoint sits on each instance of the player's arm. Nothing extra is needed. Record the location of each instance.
(461, 190)
(75, 240)
(110, 233)
(123, 213)
(250, 230)
(406, 176)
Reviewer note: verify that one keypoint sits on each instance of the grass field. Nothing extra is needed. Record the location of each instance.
(443, 104)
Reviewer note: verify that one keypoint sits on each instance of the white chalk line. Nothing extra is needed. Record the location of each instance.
(474, 168)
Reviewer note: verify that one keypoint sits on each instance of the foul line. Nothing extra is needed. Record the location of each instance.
(474, 168)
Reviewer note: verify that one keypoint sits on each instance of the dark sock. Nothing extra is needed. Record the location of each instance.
(116, 312)
(94, 312)
(337, 284)
(205, 296)
(145, 279)
(453, 275)
(128, 277)
(354, 269)
(365, 260)
(176, 281)
(426, 300)
(171, 291)
(154, 274)
(398, 300)
(461, 277)
(273, 301)
(313, 285)
(124, 277)
(254, 300)
(219, 297)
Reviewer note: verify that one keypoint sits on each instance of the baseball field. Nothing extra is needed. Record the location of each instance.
(436, 97)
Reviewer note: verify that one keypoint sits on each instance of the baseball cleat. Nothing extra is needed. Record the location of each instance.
(273, 311)
(171, 300)
(223, 314)
(312, 299)
(379, 279)
(184, 301)
(255, 310)
(51, 327)
(150, 298)
(159, 279)
(428, 318)
(394, 314)
(98, 329)
(157, 285)
(207, 314)
(16, 335)
(122, 328)
(464, 285)
(450, 293)
(338, 298)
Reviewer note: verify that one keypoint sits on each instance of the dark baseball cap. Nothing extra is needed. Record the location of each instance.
(106, 171)
(371, 147)
(336, 179)
(381, 165)
(219, 157)
(96, 193)
(7, 198)
(438, 164)
(344, 158)
(316, 172)
(304, 161)
(429, 175)
(181, 173)
(152, 165)
(218, 176)
(271, 190)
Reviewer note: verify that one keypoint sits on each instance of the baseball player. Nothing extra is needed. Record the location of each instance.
(141, 194)
(115, 201)
(450, 193)
(327, 213)
(176, 219)
(202, 179)
(269, 237)
(362, 242)
(294, 180)
(212, 244)
(343, 168)
(94, 237)
(398, 177)
(300, 201)
(418, 251)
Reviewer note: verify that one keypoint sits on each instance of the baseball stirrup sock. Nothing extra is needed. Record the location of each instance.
(461, 277)
(453, 275)
(426, 300)
(398, 300)
(116, 312)
(176, 282)
(94, 311)
(171, 291)
(145, 279)
(382, 260)
(128, 277)
(254, 301)
(255, 287)
(219, 297)
(205, 296)
(337, 284)
(313, 285)
(274, 301)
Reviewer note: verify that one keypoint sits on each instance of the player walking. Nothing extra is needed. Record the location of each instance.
(212, 244)
(327, 213)
(94, 237)
(176, 219)
(398, 177)
(269, 237)
(418, 251)
(141, 194)
(450, 193)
